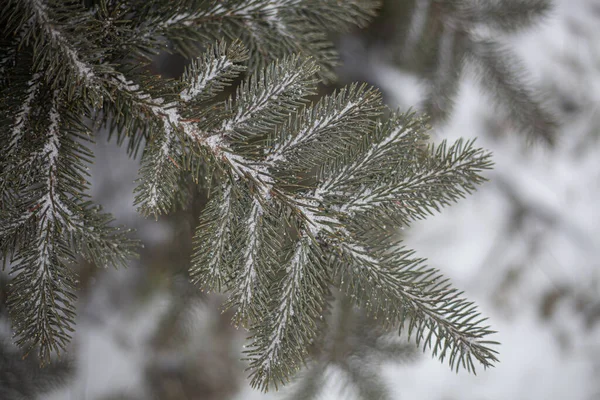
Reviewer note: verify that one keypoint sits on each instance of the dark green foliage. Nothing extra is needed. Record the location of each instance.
(273, 29)
(21, 377)
(46, 219)
(303, 197)
(270, 29)
(312, 206)
(63, 64)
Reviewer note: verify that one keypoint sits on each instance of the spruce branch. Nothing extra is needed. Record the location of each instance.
(208, 76)
(382, 171)
(404, 292)
(295, 181)
(250, 284)
(46, 219)
(324, 130)
(340, 15)
(448, 175)
(46, 28)
(157, 193)
(369, 384)
(23, 378)
(24, 114)
(268, 98)
(215, 242)
(445, 77)
(281, 343)
(272, 29)
(8, 51)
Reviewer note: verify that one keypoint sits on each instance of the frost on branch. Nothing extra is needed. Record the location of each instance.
(272, 29)
(45, 223)
(304, 197)
(311, 193)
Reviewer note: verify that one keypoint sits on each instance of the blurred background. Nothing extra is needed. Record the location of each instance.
(525, 246)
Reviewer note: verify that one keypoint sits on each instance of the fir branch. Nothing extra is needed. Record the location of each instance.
(47, 221)
(250, 286)
(272, 29)
(447, 176)
(208, 76)
(23, 378)
(24, 113)
(299, 300)
(157, 191)
(44, 30)
(381, 153)
(445, 77)
(163, 158)
(385, 173)
(43, 295)
(269, 98)
(297, 181)
(260, 104)
(214, 242)
(429, 307)
(99, 241)
(330, 125)
(41, 299)
(369, 384)
(136, 113)
(8, 59)
(416, 28)
(339, 15)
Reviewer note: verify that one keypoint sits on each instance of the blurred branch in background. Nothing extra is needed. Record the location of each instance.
(441, 42)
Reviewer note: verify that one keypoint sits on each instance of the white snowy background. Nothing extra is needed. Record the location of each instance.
(525, 246)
